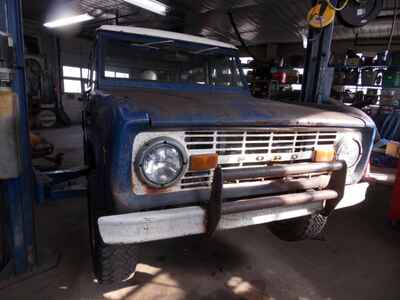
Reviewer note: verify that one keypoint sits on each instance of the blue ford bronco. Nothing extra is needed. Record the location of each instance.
(177, 146)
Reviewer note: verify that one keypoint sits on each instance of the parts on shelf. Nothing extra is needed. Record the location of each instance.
(276, 79)
(369, 77)
(286, 76)
(356, 99)
(352, 59)
(351, 77)
(362, 71)
(371, 98)
(260, 78)
(390, 97)
(361, 100)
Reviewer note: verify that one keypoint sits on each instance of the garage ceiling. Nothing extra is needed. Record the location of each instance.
(259, 21)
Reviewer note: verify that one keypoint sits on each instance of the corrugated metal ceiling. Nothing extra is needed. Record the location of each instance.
(259, 21)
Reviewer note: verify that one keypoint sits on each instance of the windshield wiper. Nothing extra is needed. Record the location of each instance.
(151, 45)
(205, 50)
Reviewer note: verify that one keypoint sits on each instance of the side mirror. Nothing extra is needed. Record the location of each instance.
(86, 83)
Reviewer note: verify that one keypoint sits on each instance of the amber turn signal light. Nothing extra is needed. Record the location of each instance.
(324, 155)
(203, 162)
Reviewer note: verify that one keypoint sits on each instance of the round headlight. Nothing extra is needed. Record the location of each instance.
(349, 150)
(161, 162)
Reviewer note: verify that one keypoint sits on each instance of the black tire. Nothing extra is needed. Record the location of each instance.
(304, 228)
(111, 263)
(114, 263)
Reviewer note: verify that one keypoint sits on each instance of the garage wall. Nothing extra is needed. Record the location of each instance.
(47, 42)
(264, 52)
(74, 52)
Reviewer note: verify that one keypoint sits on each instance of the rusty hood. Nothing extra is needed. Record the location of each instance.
(186, 109)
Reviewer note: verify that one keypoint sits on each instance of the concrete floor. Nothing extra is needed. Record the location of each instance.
(358, 258)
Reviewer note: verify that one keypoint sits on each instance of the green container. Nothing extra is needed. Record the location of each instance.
(391, 78)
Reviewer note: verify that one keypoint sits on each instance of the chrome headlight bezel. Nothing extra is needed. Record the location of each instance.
(151, 145)
(353, 167)
(345, 142)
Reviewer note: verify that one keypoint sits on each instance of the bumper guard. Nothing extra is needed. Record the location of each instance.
(218, 206)
(219, 213)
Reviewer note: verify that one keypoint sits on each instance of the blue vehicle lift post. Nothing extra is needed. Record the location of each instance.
(18, 193)
(317, 76)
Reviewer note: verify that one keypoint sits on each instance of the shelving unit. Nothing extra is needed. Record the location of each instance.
(360, 86)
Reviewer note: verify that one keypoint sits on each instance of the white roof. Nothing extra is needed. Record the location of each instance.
(166, 34)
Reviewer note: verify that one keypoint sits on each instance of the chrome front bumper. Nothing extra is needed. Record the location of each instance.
(177, 222)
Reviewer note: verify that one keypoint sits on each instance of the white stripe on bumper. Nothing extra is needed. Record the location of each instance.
(177, 222)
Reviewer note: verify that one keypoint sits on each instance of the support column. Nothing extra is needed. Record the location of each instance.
(19, 193)
(316, 70)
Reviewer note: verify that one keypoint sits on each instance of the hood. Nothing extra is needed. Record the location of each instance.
(186, 109)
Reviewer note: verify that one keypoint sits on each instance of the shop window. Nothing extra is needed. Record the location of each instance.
(74, 79)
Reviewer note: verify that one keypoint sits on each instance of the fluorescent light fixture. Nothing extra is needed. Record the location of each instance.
(304, 40)
(151, 5)
(68, 21)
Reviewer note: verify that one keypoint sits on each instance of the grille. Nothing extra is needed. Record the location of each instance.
(238, 149)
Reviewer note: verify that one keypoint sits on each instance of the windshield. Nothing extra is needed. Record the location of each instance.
(166, 62)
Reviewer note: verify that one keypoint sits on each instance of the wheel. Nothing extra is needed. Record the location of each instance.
(304, 228)
(111, 263)
(114, 263)
(47, 119)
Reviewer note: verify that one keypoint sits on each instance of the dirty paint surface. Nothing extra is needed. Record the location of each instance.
(177, 108)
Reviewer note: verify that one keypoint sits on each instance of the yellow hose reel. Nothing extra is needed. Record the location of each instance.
(318, 19)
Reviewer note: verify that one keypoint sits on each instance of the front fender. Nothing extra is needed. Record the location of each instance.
(126, 126)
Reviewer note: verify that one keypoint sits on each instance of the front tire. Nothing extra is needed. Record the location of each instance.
(114, 263)
(304, 228)
(111, 263)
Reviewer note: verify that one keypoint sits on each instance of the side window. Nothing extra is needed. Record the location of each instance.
(124, 74)
(224, 72)
(195, 75)
(75, 79)
(72, 80)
